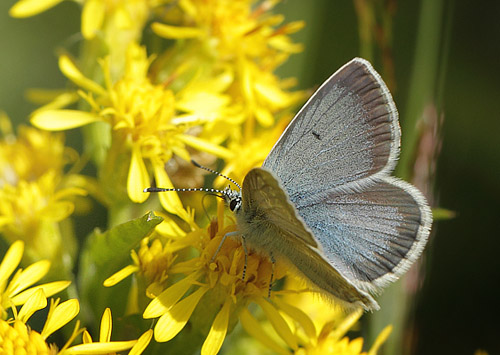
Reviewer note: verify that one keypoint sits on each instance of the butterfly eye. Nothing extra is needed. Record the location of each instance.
(234, 204)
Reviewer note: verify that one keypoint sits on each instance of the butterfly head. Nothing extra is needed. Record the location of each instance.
(232, 198)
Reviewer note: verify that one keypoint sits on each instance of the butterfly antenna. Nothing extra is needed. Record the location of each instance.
(215, 172)
(216, 192)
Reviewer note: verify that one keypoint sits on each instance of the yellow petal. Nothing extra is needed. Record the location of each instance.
(49, 289)
(278, 323)
(4, 220)
(271, 93)
(176, 32)
(71, 191)
(247, 82)
(11, 260)
(29, 276)
(170, 199)
(138, 177)
(27, 8)
(36, 302)
(60, 316)
(69, 69)
(86, 337)
(189, 8)
(294, 26)
(218, 331)
(106, 326)
(166, 300)
(92, 17)
(172, 322)
(169, 228)
(57, 211)
(254, 328)
(203, 103)
(100, 348)
(120, 275)
(264, 116)
(206, 146)
(51, 99)
(181, 152)
(381, 338)
(283, 43)
(346, 324)
(301, 317)
(142, 343)
(59, 120)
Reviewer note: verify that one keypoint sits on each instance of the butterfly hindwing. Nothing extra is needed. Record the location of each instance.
(371, 236)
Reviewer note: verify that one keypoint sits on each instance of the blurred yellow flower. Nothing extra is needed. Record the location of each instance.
(97, 15)
(305, 314)
(35, 191)
(30, 211)
(31, 154)
(242, 38)
(251, 153)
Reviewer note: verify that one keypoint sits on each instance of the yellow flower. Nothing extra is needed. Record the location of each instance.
(151, 263)
(16, 337)
(143, 121)
(20, 288)
(215, 288)
(214, 295)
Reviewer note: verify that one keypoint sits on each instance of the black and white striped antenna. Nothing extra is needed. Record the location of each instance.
(221, 193)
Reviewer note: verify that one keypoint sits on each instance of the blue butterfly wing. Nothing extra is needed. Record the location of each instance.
(334, 161)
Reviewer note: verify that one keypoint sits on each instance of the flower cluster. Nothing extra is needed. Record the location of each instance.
(156, 84)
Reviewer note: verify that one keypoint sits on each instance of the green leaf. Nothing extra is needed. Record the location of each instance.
(104, 254)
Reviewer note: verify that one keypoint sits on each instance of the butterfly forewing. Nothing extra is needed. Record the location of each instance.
(345, 134)
(265, 201)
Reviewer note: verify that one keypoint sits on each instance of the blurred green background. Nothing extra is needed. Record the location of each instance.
(441, 52)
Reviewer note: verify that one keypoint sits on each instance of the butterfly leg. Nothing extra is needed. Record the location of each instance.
(273, 263)
(244, 245)
(230, 234)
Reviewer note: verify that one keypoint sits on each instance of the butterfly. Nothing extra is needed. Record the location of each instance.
(324, 199)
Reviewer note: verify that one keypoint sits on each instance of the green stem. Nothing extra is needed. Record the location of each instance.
(395, 302)
(423, 81)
